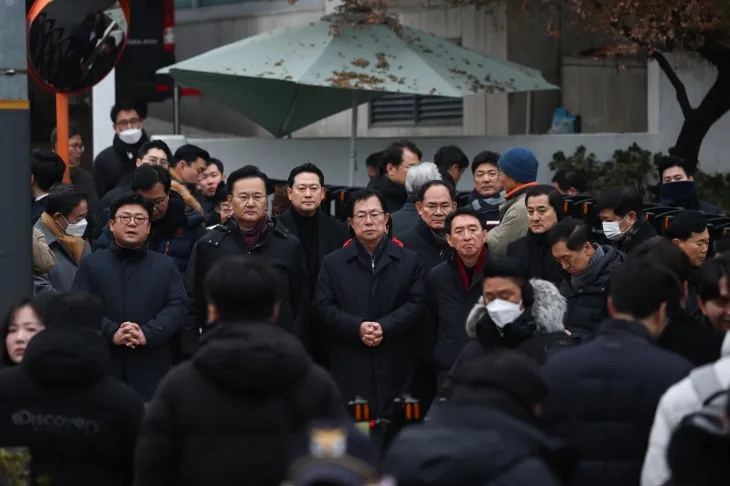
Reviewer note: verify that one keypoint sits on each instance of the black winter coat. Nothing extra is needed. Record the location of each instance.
(536, 257)
(430, 249)
(80, 424)
(395, 194)
(603, 396)
(388, 288)
(233, 413)
(474, 445)
(450, 302)
(405, 219)
(692, 337)
(588, 305)
(645, 232)
(143, 287)
(279, 248)
(114, 162)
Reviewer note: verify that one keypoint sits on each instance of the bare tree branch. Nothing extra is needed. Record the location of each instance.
(677, 83)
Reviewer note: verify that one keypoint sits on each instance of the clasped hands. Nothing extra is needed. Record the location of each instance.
(129, 334)
(371, 333)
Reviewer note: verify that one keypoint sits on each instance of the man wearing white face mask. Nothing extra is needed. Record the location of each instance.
(63, 224)
(119, 159)
(622, 218)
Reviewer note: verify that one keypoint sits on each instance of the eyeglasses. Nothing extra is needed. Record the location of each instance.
(158, 201)
(432, 207)
(126, 219)
(133, 123)
(155, 161)
(257, 198)
(375, 216)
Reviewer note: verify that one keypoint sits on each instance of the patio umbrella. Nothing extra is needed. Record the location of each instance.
(291, 77)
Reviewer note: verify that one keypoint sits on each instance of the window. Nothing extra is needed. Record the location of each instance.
(402, 109)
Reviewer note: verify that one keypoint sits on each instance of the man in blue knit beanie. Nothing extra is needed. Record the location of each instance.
(518, 172)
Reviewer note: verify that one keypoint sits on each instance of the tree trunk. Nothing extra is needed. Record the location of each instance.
(699, 120)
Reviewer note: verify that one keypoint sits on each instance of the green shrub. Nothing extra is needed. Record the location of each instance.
(636, 167)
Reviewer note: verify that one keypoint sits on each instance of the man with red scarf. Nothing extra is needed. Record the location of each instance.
(454, 286)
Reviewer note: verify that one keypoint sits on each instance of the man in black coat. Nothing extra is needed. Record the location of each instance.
(143, 294)
(250, 231)
(118, 160)
(231, 414)
(436, 200)
(397, 158)
(486, 434)
(622, 217)
(370, 295)
(318, 233)
(79, 423)
(603, 394)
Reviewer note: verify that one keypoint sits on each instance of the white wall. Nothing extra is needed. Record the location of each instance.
(665, 116)
(278, 157)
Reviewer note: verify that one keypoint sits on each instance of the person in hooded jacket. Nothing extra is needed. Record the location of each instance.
(395, 162)
(79, 424)
(486, 434)
(232, 414)
(544, 210)
(603, 394)
(677, 188)
(174, 231)
(589, 267)
(118, 160)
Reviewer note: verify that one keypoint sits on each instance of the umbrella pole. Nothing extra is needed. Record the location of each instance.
(353, 140)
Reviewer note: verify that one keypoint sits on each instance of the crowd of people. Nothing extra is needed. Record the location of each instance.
(185, 330)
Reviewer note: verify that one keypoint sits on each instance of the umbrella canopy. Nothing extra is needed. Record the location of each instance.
(291, 77)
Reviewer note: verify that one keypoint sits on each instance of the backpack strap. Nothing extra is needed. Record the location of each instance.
(705, 382)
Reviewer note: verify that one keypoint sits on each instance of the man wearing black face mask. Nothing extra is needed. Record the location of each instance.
(678, 188)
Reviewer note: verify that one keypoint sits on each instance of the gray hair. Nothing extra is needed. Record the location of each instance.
(419, 175)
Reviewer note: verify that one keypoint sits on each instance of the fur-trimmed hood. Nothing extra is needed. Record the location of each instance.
(179, 187)
(548, 309)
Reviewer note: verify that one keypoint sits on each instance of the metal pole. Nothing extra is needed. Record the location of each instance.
(62, 132)
(528, 114)
(176, 109)
(15, 246)
(353, 141)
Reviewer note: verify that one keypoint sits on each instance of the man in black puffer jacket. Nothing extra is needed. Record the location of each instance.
(231, 415)
(486, 435)
(79, 423)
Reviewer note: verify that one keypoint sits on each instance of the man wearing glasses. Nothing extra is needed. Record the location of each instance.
(251, 231)
(118, 160)
(144, 301)
(80, 177)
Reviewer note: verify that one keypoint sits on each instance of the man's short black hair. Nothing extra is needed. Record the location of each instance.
(573, 232)
(363, 195)
(300, 169)
(374, 159)
(189, 153)
(450, 155)
(393, 153)
(672, 161)
(217, 163)
(63, 198)
(485, 157)
(463, 211)
(155, 144)
(430, 184)
(76, 309)
(714, 270)
(125, 105)
(246, 172)
(663, 252)
(146, 176)
(131, 199)
(47, 168)
(639, 286)
(241, 288)
(555, 199)
(73, 131)
(221, 193)
(685, 224)
(567, 178)
(622, 200)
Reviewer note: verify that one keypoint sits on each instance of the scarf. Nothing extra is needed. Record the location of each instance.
(261, 230)
(589, 273)
(465, 279)
(72, 244)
